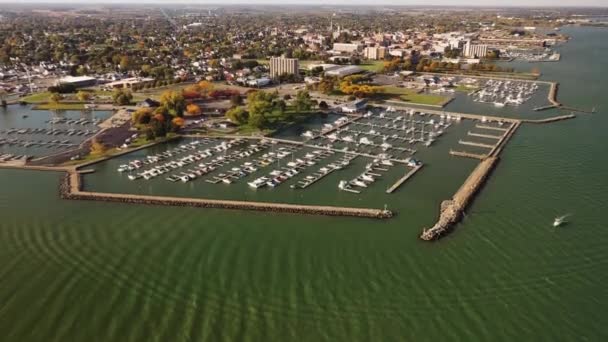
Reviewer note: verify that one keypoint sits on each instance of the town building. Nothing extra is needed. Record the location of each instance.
(346, 47)
(281, 66)
(355, 106)
(375, 53)
(78, 81)
(344, 71)
(128, 82)
(475, 50)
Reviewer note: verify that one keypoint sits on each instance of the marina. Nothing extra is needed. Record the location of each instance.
(37, 133)
(504, 93)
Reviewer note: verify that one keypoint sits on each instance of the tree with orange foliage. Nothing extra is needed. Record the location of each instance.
(97, 148)
(159, 117)
(193, 109)
(205, 87)
(192, 92)
(177, 123)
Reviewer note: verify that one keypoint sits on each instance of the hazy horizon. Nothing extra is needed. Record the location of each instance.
(451, 3)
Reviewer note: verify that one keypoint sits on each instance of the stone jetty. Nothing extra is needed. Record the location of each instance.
(71, 188)
(452, 210)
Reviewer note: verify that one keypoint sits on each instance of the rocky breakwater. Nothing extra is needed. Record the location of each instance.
(452, 210)
(71, 188)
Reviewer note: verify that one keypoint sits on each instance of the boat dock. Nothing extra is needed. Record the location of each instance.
(480, 135)
(476, 144)
(468, 154)
(502, 129)
(403, 179)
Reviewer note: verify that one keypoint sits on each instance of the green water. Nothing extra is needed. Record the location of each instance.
(85, 271)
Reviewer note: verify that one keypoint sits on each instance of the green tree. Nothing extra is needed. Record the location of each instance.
(327, 85)
(257, 120)
(122, 97)
(83, 96)
(173, 102)
(238, 115)
(56, 98)
(302, 102)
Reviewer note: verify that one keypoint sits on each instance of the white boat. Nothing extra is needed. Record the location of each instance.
(499, 104)
(359, 183)
(342, 185)
(367, 178)
(559, 220)
(308, 134)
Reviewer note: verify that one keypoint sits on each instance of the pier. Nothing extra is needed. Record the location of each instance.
(403, 179)
(552, 98)
(549, 120)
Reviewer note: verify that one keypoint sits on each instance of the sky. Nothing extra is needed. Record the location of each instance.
(498, 3)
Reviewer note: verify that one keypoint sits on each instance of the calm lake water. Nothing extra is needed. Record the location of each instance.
(81, 271)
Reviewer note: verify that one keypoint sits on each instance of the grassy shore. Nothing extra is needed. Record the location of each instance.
(41, 97)
(59, 106)
(410, 95)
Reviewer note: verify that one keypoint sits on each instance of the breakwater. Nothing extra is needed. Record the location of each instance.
(452, 210)
(71, 188)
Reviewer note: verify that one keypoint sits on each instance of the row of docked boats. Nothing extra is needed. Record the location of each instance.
(182, 162)
(502, 93)
(11, 157)
(33, 143)
(80, 121)
(157, 158)
(293, 168)
(69, 132)
(207, 167)
(324, 171)
(250, 167)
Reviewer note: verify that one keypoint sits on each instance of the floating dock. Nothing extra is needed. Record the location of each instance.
(502, 129)
(403, 179)
(468, 154)
(476, 144)
(480, 135)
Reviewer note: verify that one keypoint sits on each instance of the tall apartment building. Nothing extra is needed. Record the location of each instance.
(280, 66)
(374, 53)
(472, 50)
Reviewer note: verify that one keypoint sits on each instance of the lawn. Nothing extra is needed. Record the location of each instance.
(412, 95)
(37, 97)
(465, 89)
(373, 66)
